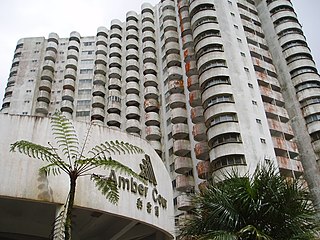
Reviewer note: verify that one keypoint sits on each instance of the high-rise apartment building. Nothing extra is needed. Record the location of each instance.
(212, 85)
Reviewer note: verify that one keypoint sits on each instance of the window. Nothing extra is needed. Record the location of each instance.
(84, 91)
(229, 160)
(36, 51)
(82, 113)
(258, 120)
(168, 121)
(170, 151)
(37, 43)
(63, 43)
(254, 102)
(24, 113)
(229, 117)
(61, 52)
(28, 91)
(313, 118)
(86, 71)
(83, 103)
(262, 140)
(216, 80)
(235, 26)
(114, 99)
(174, 184)
(88, 43)
(250, 85)
(172, 167)
(246, 69)
(26, 101)
(87, 61)
(232, 14)
(242, 54)
(239, 40)
(225, 138)
(30, 80)
(32, 70)
(34, 61)
(87, 52)
(85, 81)
(218, 99)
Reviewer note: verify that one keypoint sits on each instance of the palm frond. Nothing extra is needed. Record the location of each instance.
(54, 168)
(58, 227)
(65, 135)
(218, 235)
(106, 163)
(34, 150)
(106, 149)
(107, 186)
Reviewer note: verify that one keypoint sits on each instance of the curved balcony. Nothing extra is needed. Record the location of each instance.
(296, 50)
(187, 41)
(208, 40)
(221, 128)
(177, 100)
(114, 107)
(42, 107)
(132, 76)
(52, 46)
(150, 68)
(99, 90)
(170, 25)
(202, 150)
(75, 36)
(115, 61)
(172, 47)
(150, 80)
(148, 36)
(53, 37)
(115, 52)
(74, 45)
(171, 40)
(197, 115)
(47, 65)
(66, 106)
(180, 131)
(131, 24)
(70, 73)
(149, 57)
(43, 96)
(133, 100)
(45, 85)
(149, 46)
(157, 146)
(291, 37)
(132, 34)
(195, 98)
(101, 49)
(97, 114)
(100, 69)
(132, 54)
(133, 112)
(68, 94)
(184, 183)
(226, 149)
(152, 119)
(199, 132)
(116, 32)
(50, 55)
(203, 169)
(98, 102)
(99, 79)
(176, 86)
(287, 25)
(47, 75)
(102, 40)
(181, 147)
(174, 73)
(114, 120)
(173, 60)
(153, 133)
(178, 115)
(114, 72)
(183, 165)
(184, 203)
(282, 145)
(73, 54)
(114, 83)
(151, 92)
(102, 31)
(214, 110)
(151, 105)
(132, 44)
(101, 59)
(72, 63)
(132, 65)
(132, 88)
(148, 26)
(133, 126)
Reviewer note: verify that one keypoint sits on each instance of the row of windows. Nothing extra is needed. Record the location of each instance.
(313, 118)
(215, 81)
(306, 85)
(229, 160)
(309, 101)
(225, 138)
(227, 117)
(212, 64)
(218, 99)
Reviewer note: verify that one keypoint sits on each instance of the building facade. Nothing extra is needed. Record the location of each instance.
(212, 85)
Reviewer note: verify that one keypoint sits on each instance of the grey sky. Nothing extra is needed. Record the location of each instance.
(37, 18)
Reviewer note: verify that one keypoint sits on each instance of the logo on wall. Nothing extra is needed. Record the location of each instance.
(147, 172)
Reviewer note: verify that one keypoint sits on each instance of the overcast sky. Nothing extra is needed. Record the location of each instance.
(37, 18)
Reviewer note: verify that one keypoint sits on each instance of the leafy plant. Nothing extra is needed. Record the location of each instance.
(265, 206)
(75, 165)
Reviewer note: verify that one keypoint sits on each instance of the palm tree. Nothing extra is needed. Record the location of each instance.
(265, 206)
(75, 165)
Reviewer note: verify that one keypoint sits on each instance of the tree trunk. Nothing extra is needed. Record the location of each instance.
(72, 191)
